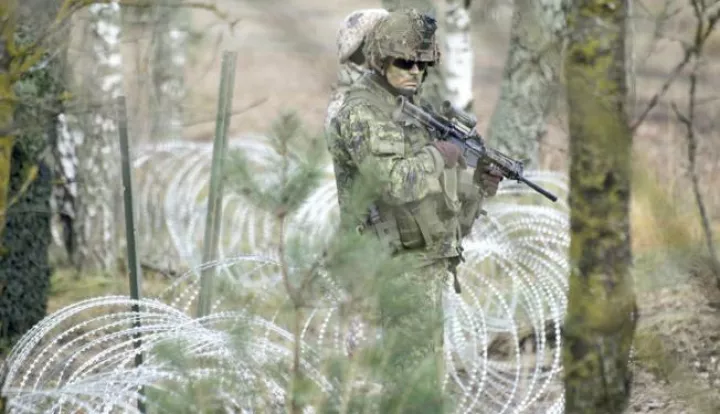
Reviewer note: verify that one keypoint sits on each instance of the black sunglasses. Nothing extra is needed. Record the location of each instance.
(408, 64)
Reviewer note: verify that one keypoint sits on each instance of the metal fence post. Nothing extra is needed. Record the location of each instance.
(214, 206)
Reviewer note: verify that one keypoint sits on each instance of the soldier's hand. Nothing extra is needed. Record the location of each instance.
(488, 178)
(451, 153)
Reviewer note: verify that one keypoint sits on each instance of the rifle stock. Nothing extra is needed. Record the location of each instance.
(458, 127)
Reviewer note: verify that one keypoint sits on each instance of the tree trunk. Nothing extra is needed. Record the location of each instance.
(14, 65)
(169, 43)
(64, 151)
(161, 35)
(458, 59)
(29, 79)
(601, 315)
(93, 130)
(25, 269)
(530, 78)
(7, 111)
(64, 201)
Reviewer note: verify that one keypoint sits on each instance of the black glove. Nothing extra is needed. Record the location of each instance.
(488, 178)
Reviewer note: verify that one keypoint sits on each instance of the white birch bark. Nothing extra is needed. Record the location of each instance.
(169, 44)
(93, 132)
(63, 146)
(64, 199)
(458, 59)
(530, 78)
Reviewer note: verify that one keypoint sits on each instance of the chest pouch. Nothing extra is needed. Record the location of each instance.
(419, 223)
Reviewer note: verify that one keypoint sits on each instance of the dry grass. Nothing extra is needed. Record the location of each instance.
(661, 221)
(66, 288)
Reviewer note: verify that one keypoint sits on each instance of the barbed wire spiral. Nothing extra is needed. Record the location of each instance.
(502, 333)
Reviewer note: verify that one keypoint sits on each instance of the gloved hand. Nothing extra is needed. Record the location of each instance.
(451, 153)
(488, 178)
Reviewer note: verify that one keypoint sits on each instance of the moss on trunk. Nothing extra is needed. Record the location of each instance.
(7, 110)
(601, 316)
(31, 85)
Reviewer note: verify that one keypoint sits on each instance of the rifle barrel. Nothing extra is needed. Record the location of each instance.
(550, 196)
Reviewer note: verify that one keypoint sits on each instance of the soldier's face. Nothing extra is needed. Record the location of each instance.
(405, 75)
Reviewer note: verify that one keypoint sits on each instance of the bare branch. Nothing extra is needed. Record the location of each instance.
(198, 5)
(704, 26)
(706, 18)
(691, 138)
(155, 268)
(70, 7)
(683, 119)
(666, 85)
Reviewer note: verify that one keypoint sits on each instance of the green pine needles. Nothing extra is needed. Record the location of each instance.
(350, 268)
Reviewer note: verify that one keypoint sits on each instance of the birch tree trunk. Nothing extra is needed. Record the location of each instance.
(530, 78)
(169, 44)
(93, 130)
(64, 152)
(64, 201)
(458, 59)
(601, 316)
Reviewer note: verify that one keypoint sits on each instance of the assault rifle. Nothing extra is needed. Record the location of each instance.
(458, 127)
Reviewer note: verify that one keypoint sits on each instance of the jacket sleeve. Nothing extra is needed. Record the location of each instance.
(369, 139)
(471, 200)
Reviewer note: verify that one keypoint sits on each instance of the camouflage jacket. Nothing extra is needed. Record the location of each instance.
(424, 208)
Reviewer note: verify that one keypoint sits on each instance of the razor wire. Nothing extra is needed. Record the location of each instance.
(502, 333)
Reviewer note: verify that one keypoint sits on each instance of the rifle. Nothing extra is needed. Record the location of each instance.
(458, 127)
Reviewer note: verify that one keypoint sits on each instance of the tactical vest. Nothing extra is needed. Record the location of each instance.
(431, 226)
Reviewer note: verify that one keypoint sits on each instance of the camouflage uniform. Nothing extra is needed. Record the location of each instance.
(425, 208)
(350, 38)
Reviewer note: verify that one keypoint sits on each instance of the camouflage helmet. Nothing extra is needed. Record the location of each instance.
(404, 34)
(355, 27)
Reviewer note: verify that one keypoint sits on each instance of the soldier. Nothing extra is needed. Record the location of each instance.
(350, 40)
(430, 199)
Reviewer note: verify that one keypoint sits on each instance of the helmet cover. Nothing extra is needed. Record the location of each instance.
(404, 34)
(354, 29)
